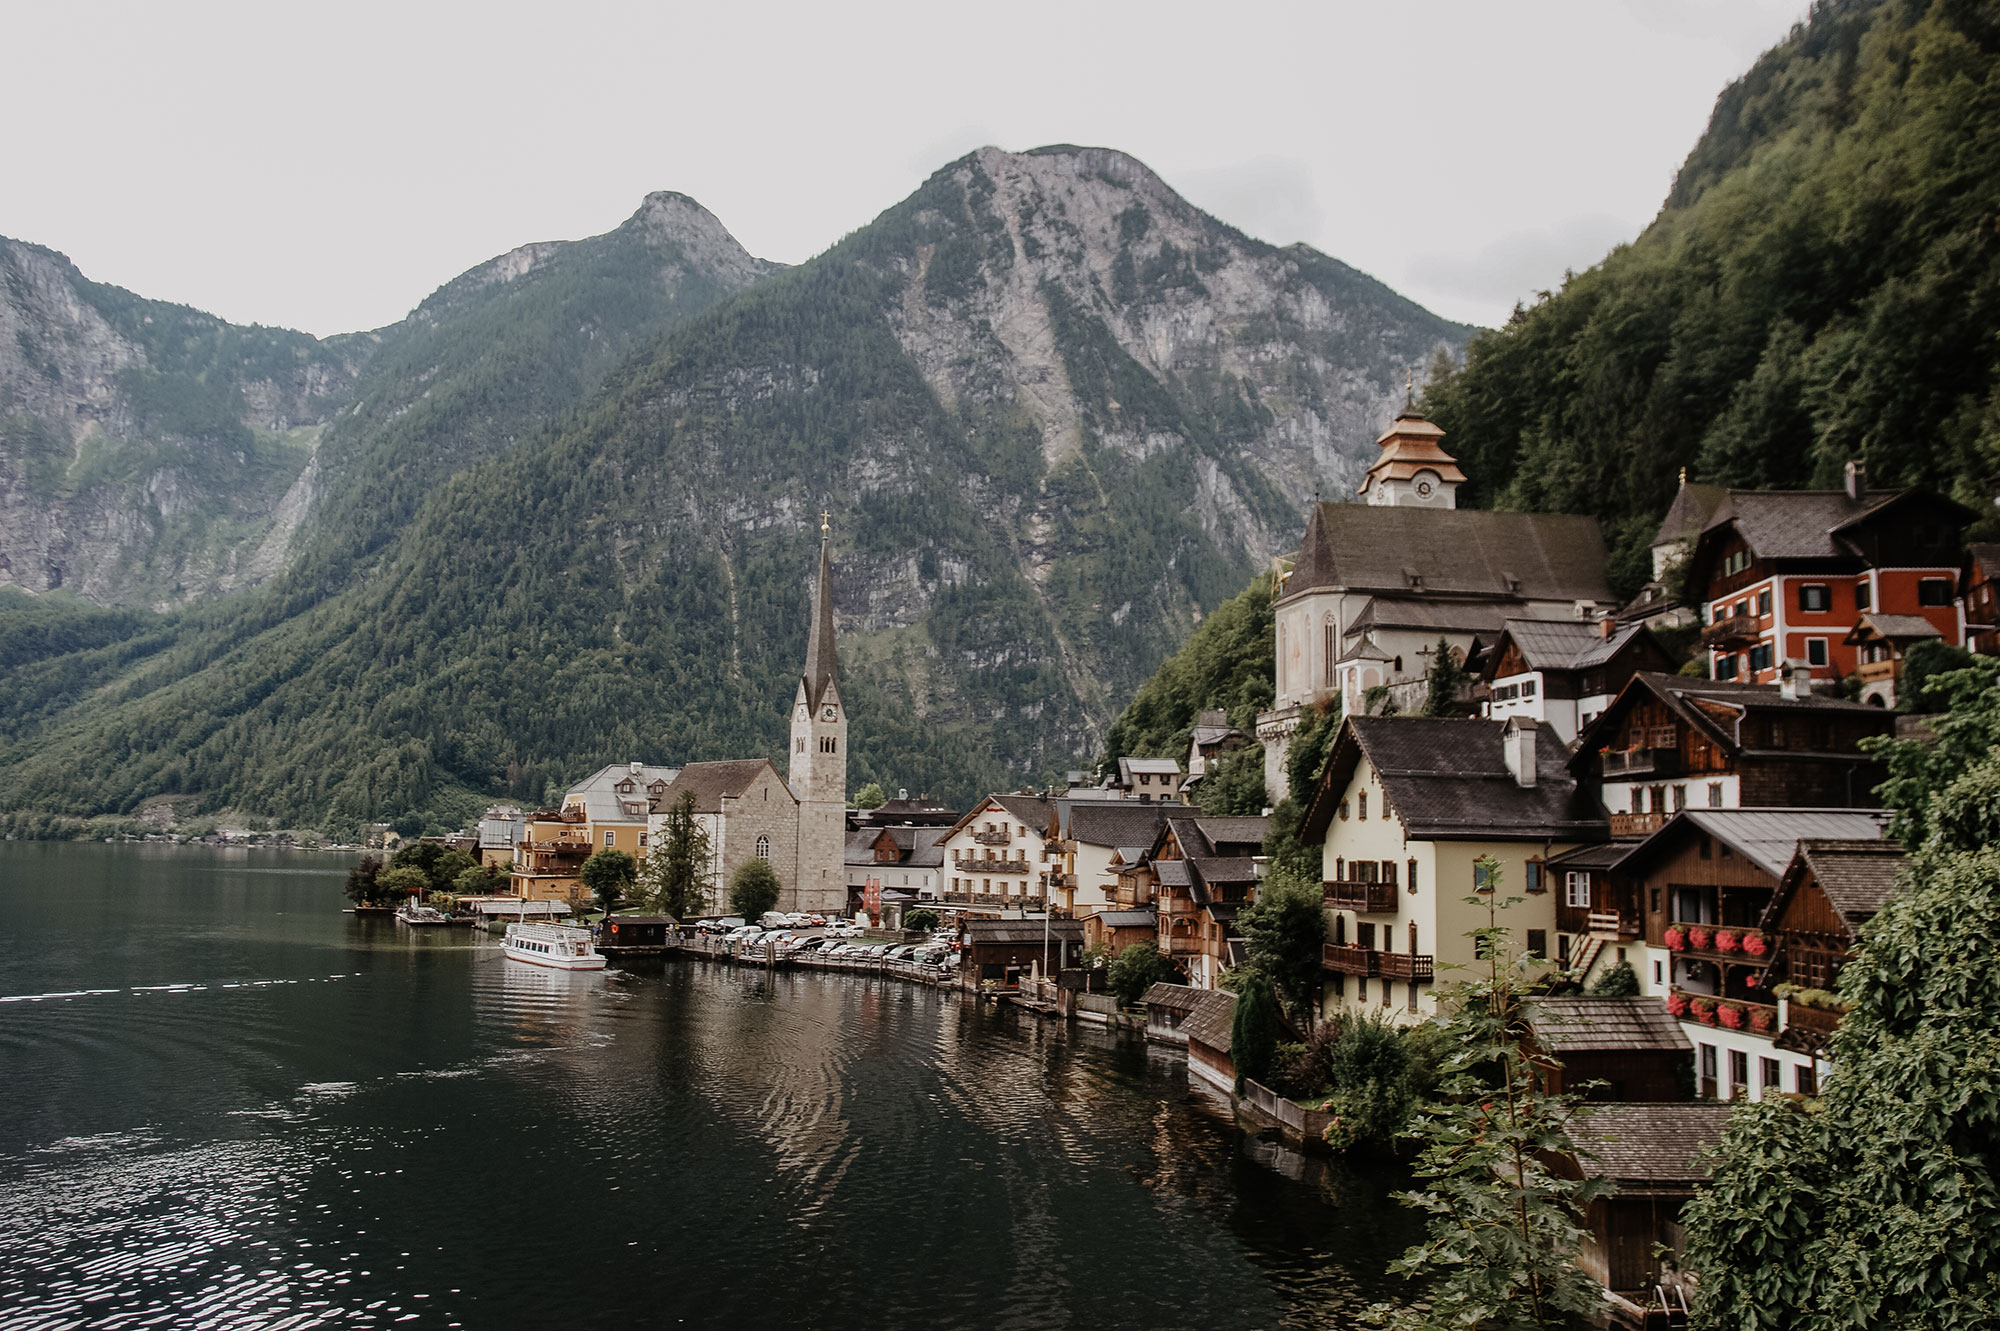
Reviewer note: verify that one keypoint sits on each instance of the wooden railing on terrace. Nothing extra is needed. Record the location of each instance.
(1348, 894)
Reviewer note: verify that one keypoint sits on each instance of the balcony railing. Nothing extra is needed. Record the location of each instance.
(1346, 959)
(1346, 894)
(970, 865)
(1609, 924)
(1642, 762)
(1737, 945)
(1183, 946)
(1817, 1020)
(992, 838)
(1637, 824)
(1406, 966)
(1874, 672)
(1734, 630)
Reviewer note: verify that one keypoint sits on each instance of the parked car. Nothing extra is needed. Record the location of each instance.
(816, 921)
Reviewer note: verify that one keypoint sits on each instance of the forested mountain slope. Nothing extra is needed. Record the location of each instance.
(153, 455)
(1822, 284)
(1056, 412)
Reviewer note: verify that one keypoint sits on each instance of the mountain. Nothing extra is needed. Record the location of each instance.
(149, 453)
(1056, 412)
(1822, 284)
(153, 455)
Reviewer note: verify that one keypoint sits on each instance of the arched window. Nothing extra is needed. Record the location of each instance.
(763, 848)
(1326, 668)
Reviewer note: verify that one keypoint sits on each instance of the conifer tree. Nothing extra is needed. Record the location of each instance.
(676, 877)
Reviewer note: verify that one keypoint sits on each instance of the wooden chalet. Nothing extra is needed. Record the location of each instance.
(636, 935)
(1879, 642)
(1204, 871)
(997, 953)
(1669, 743)
(1624, 1049)
(1651, 1153)
(1784, 574)
(1828, 891)
(1563, 672)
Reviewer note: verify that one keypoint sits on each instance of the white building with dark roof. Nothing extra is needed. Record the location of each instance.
(1564, 672)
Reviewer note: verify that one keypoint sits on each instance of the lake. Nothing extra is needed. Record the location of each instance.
(225, 1103)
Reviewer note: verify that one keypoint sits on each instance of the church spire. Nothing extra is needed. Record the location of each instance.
(821, 669)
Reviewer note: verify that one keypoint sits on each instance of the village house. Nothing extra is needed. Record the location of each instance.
(1405, 811)
(1828, 891)
(1377, 585)
(501, 828)
(1085, 836)
(1118, 929)
(905, 860)
(1212, 739)
(1705, 882)
(613, 802)
(1784, 575)
(1652, 1154)
(1204, 872)
(1612, 1048)
(1670, 742)
(1148, 780)
(604, 811)
(995, 856)
(549, 856)
(1563, 672)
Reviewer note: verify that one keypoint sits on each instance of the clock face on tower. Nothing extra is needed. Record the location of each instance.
(828, 714)
(1423, 487)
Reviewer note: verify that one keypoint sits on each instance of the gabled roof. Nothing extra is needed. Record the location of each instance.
(1128, 919)
(1857, 876)
(1809, 525)
(1598, 1025)
(1109, 822)
(602, 802)
(713, 782)
(1150, 766)
(1512, 556)
(1765, 837)
(1239, 831)
(1657, 1144)
(1030, 811)
(1568, 644)
(1023, 931)
(1173, 997)
(1870, 627)
(1210, 1021)
(1713, 706)
(1448, 780)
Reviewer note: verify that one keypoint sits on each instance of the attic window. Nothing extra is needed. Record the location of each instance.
(1513, 582)
(1411, 576)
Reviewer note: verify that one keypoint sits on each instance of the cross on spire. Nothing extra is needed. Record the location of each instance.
(1409, 389)
(824, 529)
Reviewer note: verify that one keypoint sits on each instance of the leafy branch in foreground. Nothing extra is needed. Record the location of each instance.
(1499, 1253)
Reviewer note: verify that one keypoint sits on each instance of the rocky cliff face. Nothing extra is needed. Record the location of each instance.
(147, 451)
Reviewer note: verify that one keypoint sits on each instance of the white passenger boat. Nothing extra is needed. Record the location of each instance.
(562, 947)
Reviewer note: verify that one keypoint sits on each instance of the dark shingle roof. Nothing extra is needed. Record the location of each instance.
(1857, 876)
(1895, 627)
(1602, 855)
(1110, 822)
(1765, 837)
(1648, 1143)
(1592, 1025)
(1397, 612)
(1210, 1021)
(1171, 873)
(1173, 997)
(1713, 706)
(1539, 556)
(711, 782)
(1234, 831)
(1447, 779)
(1566, 644)
(1022, 931)
(1692, 507)
(1234, 870)
(1127, 919)
(1794, 524)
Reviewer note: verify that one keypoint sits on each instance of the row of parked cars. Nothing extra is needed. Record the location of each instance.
(931, 953)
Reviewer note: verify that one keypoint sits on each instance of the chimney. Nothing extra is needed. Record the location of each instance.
(1795, 681)
(1857, 478)
(637, 769)
(1517, 748)
(1606, 626)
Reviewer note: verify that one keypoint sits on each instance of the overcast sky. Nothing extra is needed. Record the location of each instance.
(326, 167)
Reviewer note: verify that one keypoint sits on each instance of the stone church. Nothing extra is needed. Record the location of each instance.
(798, 823)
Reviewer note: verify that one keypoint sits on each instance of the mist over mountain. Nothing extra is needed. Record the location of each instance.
(1056, 412)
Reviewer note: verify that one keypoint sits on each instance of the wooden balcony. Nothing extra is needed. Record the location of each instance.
(1369, 898)
(1019, 866)
(1346, 959)
(1405, 966)
(1182, 945)
(1874, 672)
(992, 838)
(1735, 630)
(1641, 762)
(1817, 1020)
(1636, 824)
(1613, 927)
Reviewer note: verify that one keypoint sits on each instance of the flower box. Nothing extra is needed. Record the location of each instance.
(1730, 1015)
(1727, 940)
(1756, 945)
(1762, 1020)
(1700, 937)
(1676, 940)
(1704, 1010)
(1677, 1004)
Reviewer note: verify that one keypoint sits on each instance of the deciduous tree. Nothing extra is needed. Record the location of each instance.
(606, 875)
(753, 889)
(1284, 932)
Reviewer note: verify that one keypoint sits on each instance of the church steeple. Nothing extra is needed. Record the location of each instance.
(822, 668)
(1412, 469)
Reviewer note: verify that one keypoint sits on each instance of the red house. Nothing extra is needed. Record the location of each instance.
(1786, 574)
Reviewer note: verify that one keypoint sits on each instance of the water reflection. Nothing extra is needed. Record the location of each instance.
(426, 1131)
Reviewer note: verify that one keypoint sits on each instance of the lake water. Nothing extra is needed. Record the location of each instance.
(225, 1103)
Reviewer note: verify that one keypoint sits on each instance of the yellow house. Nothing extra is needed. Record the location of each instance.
(606, 811)
(1405, 810)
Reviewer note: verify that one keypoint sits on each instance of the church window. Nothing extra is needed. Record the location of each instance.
(763, 848)
(1399, 665)
(1361, 806)
(1327, 668)
(802, 744)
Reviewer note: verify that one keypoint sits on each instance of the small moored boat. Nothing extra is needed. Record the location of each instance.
(411, 913)
(563, 947)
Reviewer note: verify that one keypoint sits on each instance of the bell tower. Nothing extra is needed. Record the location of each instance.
(1412, 470)
(817, 763)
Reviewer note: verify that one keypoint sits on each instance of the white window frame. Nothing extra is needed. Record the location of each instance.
(1576, 889)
